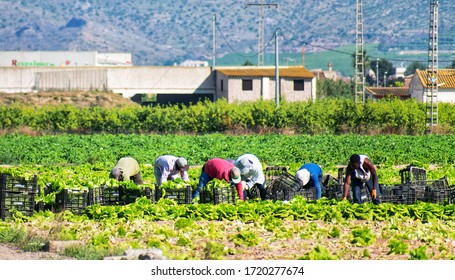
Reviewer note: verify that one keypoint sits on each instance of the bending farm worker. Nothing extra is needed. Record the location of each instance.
(220, 169)
(168, 167)
(310, 175)
(361, 171)
(251, 172)
(127, 168)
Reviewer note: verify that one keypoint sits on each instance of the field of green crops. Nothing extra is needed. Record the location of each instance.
(327, 229)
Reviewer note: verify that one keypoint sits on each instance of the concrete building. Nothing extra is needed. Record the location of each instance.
(62, 59)
(376, 93)
(446, 82)
(159, 84)
(328, 74)
(253, 83)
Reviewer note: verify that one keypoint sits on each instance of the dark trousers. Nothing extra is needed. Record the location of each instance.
(357, 184)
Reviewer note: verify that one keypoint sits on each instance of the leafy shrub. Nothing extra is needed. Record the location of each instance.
(322, 116)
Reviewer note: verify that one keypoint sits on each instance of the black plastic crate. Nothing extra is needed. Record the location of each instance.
(284, 187)
(219, 195)
(308, 193)
(452, 195)
(73, 200)
(18, 194)
(334, 192)
(110, 195)
(19, 184)
(273, 172)
(341, 175)
(180, 196)
(398, 194)
(412, 174)
(128, 195)
(14, 200)
(121, 195)
(438, 191)
(95, 196)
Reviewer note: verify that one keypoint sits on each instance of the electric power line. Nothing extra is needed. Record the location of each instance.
(240, 54)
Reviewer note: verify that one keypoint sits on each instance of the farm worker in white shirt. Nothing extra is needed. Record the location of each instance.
(168, 167)
(251, 172)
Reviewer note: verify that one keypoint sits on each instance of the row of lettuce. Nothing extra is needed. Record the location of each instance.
(103, 150)
(335, 116)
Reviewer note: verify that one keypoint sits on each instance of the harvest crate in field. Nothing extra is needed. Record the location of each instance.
(398, 194)
(179, 195)
(412, 174)
(273, 172)
(73, 200)
(121, 195)
(17, 194)
(219, 195)
(284, 187)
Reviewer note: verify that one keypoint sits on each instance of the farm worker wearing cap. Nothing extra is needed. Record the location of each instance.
(220, 169)
(168, 167)
(310, 174)
(251, 172)
(127, 168)
(360, 170)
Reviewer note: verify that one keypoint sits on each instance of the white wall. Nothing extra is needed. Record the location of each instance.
(126, 80)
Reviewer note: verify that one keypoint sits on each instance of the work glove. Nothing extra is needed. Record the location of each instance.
(373, 194)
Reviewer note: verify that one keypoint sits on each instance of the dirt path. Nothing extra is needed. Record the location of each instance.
(10, 252)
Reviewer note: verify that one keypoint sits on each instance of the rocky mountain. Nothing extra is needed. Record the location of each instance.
(162, 32)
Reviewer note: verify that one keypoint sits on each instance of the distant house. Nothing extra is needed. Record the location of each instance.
(329, 74)
(446, 82)
(258, 83)
(376, 93)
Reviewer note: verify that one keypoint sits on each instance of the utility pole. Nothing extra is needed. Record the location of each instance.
(277, 71)
(261, 26)
(432, 72)
(359, 91)
(385, 79)
(377, 72)
(214, 41)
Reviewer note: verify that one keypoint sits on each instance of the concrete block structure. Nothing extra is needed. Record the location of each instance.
(446, 88)
(238, 84)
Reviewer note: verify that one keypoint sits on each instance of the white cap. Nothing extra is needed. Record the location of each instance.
(181, 162)
(303, 175)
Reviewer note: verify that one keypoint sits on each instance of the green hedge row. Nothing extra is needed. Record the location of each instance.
(325, 116)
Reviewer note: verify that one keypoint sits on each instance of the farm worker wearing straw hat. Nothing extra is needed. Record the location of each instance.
(251, 172)
(310, 175)
(220, 169)
(361, 171)
(168, 167)
(127, 168)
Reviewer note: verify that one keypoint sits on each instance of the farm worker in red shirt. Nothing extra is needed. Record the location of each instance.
(220, 169)
(168, 167)
(127, 168)
(361, 171)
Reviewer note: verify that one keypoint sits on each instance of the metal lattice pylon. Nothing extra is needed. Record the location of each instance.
(359, 91)
(431, 90)
(261, 27)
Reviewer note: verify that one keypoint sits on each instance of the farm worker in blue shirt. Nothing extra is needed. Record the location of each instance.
(168, 167)
(251, 172)
(310, 174)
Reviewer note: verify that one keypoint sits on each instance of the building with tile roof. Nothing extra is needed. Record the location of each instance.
(376, 93)
(258, 83)
(446, 82)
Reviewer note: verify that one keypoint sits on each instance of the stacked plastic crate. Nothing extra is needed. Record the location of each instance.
(17, 194)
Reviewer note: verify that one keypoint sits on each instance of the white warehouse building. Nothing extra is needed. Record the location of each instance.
(63, 58)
